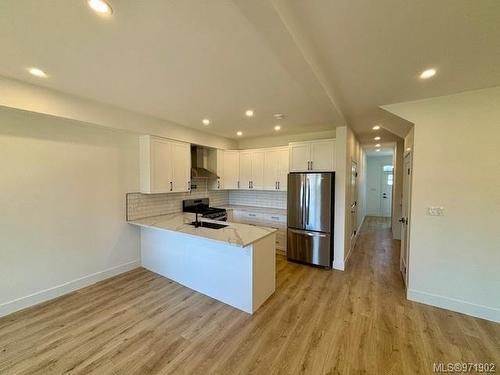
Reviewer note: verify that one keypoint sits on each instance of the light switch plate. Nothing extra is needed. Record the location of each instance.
(435, 211)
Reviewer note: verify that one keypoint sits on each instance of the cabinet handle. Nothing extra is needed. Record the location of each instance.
(171, 186)
(276, 186)
(308, 165)
(253, 215)
(189, 185)
(275, 217)
(238, 184)
(218, 184)
(311, 165)
(279, 185)
(249, 184)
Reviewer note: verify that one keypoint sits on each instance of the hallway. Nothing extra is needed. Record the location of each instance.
(317, 322)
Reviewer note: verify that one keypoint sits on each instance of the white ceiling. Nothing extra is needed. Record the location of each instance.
(321, 62)
(178, 60)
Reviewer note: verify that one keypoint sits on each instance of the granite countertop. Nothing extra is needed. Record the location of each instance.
(267, 210)
(235, 234)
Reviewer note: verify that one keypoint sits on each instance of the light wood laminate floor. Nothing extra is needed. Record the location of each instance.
(317, 322)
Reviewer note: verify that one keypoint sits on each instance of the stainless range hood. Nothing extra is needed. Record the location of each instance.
(199, 162)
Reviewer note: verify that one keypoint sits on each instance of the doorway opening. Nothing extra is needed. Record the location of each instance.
(379, 184)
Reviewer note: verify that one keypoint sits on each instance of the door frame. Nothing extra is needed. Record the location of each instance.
(406, 215)
(353, 195)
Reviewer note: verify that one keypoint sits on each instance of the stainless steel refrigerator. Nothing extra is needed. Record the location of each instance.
(310, 218)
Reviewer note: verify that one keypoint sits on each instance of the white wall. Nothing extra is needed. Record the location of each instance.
(27, 97)
(340, 199)
(397, 193)
(455, 259)
(62, 199)
(347, 148)
(374, 166)
(276, 140)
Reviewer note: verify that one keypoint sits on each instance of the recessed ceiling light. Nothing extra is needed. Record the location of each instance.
(37, 72)
(100, 6)
(377, 150)
(249, 113)
(376, 127)
(277, 127)
(205, 121)
(279, 116)
(377, 138)
(377, 145)
(428, 73)
(239, 133)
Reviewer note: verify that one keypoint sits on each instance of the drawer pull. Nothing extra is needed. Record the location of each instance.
(275, 217)
(252, 215)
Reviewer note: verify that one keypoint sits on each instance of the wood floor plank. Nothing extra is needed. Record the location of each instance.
(317, 322)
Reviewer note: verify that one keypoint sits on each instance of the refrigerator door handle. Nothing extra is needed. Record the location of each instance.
(308, 200)
(309, 234)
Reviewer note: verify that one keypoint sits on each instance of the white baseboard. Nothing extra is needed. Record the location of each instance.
(338, 264)
(464, 307)
(353, 243)
(68, 287)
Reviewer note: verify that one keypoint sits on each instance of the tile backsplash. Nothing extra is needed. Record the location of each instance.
(274, 199)
(146, 205)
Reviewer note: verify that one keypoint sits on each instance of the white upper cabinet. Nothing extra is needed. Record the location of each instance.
(231, 169)
(165, 165)
(258, 170)
(251, 170)
(181, 166)
(300, 156)
(216, 165)
(283, 168)
(276, 169)
(313, 156)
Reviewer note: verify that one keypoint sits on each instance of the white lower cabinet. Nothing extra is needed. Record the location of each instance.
(263, 219)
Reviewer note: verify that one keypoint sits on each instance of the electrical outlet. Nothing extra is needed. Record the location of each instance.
(435, 211)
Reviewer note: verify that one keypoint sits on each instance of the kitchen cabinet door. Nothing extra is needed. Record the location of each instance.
(155, 165)
(282, 176)
(180, 156)
(245, 170)
(231, 169)
(323, 156)
(300, 157)
(257, 180)
(271, 169)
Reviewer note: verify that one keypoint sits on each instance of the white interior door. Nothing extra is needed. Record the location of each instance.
(181, 166)
(354, 200)
(387, 181)
(405, 219)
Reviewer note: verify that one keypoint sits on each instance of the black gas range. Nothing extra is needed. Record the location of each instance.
(203, 208)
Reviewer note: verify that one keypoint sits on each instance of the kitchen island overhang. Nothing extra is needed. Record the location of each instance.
(235, 265)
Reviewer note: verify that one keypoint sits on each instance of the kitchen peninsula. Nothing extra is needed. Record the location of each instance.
(234, 264)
